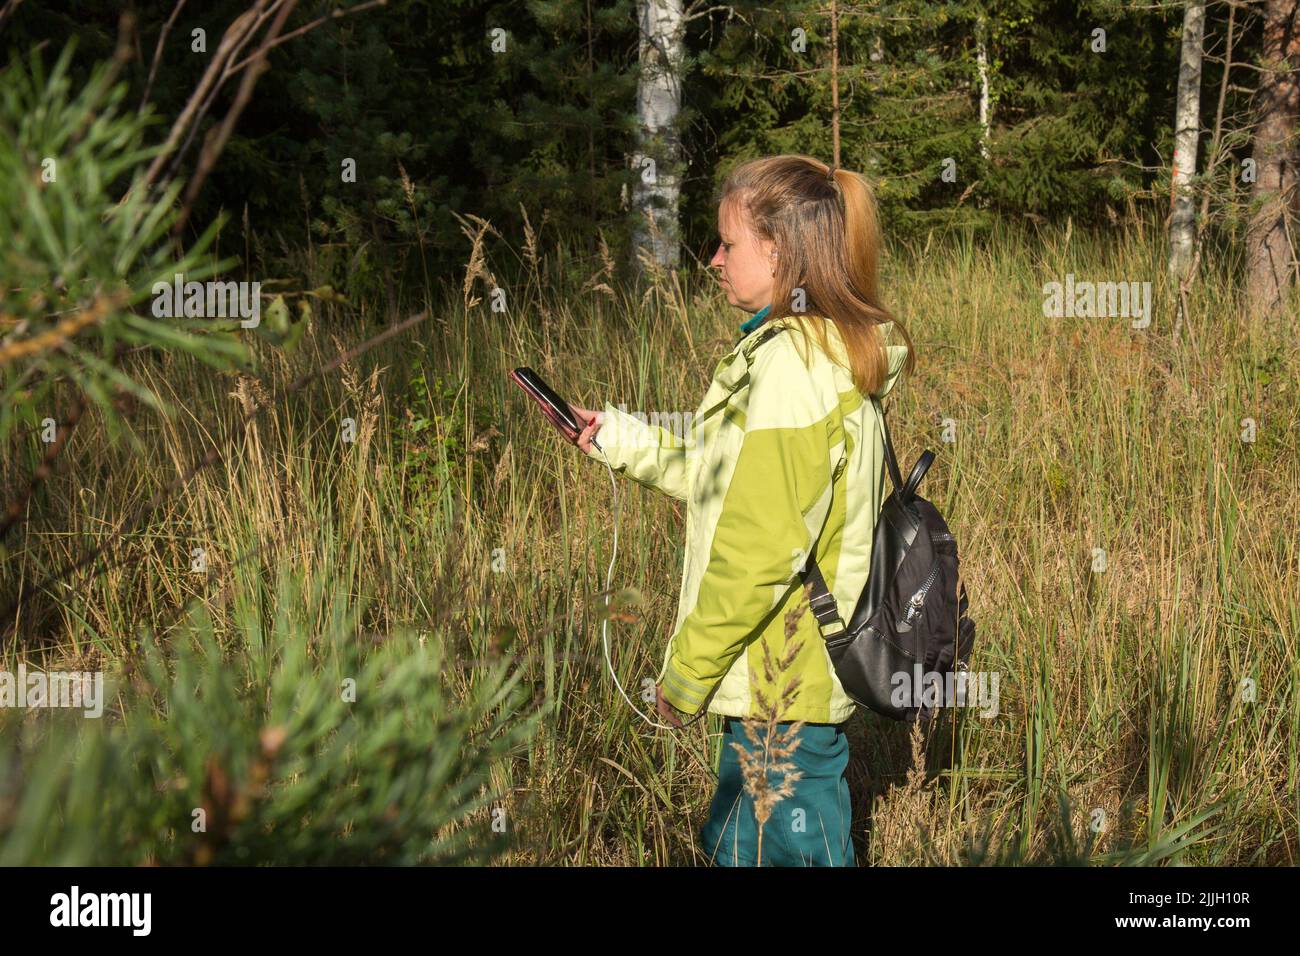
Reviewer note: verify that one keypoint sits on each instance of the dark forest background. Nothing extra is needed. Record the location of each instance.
(547, 127)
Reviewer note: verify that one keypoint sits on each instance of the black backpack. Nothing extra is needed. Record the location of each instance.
(912, 611)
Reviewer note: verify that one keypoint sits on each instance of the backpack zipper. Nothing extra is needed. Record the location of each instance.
(918, 599)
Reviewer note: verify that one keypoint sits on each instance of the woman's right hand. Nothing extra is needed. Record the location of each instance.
(596, 419)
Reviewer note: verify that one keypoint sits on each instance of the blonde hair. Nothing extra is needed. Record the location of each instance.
(827, 233)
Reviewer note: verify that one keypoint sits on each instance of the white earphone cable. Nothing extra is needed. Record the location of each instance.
(609, 578)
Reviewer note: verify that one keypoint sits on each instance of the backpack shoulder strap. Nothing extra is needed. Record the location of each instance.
(820, 600)
(891, 461)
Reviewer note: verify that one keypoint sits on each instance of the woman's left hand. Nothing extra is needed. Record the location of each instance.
(666, 709)
(592, 420)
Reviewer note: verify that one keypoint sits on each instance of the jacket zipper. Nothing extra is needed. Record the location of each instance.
(918, 599)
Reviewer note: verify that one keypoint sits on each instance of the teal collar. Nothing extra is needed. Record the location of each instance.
(756, 321)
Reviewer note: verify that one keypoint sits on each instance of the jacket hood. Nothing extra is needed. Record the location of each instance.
(896, 354)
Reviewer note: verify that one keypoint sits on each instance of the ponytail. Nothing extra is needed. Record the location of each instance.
(827, 227)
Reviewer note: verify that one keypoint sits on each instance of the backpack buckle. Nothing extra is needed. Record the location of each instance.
(840, 637)
(821, 603)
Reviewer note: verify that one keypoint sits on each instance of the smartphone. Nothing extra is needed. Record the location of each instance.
(553, 407)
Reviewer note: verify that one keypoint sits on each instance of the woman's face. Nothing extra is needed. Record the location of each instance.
(745, 263)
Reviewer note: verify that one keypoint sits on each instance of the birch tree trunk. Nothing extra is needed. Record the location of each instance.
(1187, 130)
(1270, 258)
(657, 190)
(982, 62)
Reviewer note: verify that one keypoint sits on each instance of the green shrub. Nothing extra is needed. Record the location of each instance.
(258, 756)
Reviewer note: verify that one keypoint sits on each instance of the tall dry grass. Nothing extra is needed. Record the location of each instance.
(1132, 562)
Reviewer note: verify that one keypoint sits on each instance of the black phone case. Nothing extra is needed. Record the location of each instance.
(554, 407)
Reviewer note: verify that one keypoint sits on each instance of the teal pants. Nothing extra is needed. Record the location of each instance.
(809, 828)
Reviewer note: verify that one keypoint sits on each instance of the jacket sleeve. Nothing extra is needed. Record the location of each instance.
(774, 507)
(650, 455)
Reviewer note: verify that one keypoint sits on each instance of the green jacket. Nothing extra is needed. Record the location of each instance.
(781, 456)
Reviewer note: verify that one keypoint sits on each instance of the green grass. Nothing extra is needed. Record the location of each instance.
(457, 517)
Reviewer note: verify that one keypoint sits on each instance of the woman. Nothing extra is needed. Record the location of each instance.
(787, 456)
